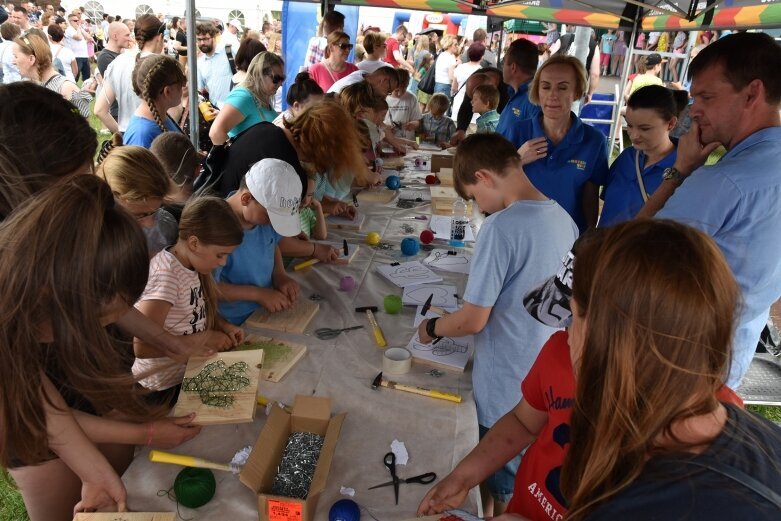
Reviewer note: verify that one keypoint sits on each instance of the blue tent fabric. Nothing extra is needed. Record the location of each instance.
(599, 112)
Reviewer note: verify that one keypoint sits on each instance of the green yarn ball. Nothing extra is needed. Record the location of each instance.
(392, 304)
(194, 487)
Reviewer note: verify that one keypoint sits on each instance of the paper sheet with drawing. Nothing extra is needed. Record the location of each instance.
(449, 353)
(440, 225)
(444, 295)
(408, 273)
(440, 259)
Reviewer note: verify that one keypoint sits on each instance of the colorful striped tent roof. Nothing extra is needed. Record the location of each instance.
(609, 14)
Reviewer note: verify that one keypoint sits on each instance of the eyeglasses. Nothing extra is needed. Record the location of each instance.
(161, 29)
(345, 46)
(277, 78)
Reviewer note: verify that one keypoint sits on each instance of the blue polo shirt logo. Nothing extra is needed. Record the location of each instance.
(579, 163)
(517, 112)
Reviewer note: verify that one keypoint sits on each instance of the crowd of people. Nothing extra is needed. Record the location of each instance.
(604, 383)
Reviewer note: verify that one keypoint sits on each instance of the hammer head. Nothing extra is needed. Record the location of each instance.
(363, 309)
(377, 381)
(426, 305)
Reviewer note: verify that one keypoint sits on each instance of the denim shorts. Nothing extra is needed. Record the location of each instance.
(501, 483)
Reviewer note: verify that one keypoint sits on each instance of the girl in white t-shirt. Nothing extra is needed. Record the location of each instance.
(181, 295)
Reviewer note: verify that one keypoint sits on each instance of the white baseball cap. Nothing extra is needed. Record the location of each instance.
(235, 23)
(276, 186)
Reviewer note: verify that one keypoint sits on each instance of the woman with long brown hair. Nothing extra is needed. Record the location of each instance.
(650, 439)
(73, 262)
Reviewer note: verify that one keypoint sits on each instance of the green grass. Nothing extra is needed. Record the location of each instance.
(770, 412)
(11, 504)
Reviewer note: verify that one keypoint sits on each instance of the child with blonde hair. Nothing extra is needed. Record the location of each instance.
(435, 126)
(140, 184)
(181, 294)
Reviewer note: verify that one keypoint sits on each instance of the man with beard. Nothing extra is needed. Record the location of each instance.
(214, 70)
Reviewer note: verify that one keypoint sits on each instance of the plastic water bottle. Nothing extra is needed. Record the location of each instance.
(458, 223)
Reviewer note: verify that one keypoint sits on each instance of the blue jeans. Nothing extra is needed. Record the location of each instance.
(502, 482)
(443, 88)
(83, 68)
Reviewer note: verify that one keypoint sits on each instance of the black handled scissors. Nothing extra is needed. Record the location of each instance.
(390, 462)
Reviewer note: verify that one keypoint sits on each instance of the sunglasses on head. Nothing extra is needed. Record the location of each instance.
(277, 78)
(345, 46)
(161, 29)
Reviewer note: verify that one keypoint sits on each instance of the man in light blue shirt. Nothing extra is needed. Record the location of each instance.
(214, 70)
(518, 69)
(736, 201)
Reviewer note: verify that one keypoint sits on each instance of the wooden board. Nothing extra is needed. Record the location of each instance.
(125, 516)
(345, 223)
(445, 176)
(344, 260)
(277, 361)
(293, 320)
(393, 163)
(442, 199)
(243, 408)
(376, 195)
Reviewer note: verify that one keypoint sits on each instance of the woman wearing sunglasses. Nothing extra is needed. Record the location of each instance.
(335, 66)
(252, 101)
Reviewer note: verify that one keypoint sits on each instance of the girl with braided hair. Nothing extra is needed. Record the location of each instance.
(158, 80)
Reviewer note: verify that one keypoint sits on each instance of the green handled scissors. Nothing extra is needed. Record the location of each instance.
(326, 333)
(390, 463)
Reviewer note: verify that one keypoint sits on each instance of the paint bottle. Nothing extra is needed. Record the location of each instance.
(458, 223)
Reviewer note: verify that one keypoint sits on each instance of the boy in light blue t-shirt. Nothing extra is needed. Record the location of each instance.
(267, 204)
(519, 245)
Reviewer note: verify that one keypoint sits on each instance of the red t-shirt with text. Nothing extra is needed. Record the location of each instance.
(550, 387)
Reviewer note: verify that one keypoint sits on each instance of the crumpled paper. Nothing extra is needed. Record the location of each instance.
(400, 450)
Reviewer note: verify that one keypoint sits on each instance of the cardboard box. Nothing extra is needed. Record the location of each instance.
(310, 414)
(439, 161)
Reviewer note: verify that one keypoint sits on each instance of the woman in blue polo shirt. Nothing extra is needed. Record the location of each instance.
(564, 158)
(651, 113)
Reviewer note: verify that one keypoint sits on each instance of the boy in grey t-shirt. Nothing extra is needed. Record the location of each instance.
(520, 244)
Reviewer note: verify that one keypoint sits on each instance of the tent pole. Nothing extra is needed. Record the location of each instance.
(192, 66)
(622, 82)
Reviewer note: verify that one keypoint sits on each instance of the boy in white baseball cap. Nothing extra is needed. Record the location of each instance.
(267, 204)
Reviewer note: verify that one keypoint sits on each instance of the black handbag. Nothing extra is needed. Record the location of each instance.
(213, 166)
(426, 83)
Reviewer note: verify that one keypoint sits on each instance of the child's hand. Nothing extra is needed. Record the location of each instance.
(170, 432)
(106, 493)
(218, 340)
(325, 253)
(236, 334)
(447, 494)
(273, 300)
(411, 125)
(424, 338)
(344, 210)
(288, 287)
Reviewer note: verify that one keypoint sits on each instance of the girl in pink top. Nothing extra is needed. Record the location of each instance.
(335, 65)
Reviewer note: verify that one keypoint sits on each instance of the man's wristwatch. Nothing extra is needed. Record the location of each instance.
(674, 175)
(430, 326)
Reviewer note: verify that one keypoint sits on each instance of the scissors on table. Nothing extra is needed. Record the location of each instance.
(326, 333)
(390, 462)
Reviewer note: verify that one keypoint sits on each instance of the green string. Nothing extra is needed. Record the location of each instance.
(217, 382)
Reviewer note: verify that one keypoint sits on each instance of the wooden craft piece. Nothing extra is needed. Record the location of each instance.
(445, 176)
(243, 408)
(450, 354)
(345, 223)
(293, 320)
(279, 355)
(393, 163)
(442, 199)
(344, 260)
(376, 195)
(125, 516)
